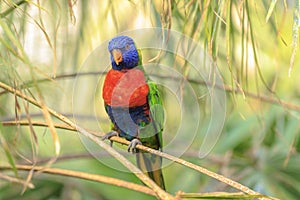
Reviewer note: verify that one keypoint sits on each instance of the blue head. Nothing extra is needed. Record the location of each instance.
(123, 53)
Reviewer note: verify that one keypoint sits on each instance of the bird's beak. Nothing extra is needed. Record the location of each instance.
(117, 54)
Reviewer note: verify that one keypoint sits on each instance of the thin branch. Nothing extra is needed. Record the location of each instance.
(86, 176)
(145, 179)
(16, 180)
(29, 84)
(217, 195)
(40, 114)
(36, 123)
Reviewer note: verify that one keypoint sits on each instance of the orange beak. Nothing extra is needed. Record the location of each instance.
(117, 54)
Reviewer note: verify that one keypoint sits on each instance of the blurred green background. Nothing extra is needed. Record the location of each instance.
(44, 51)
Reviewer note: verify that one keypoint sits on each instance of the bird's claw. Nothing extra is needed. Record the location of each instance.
(109, 135)
(133, 144)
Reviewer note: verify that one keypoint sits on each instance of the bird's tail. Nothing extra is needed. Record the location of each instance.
(151, 166)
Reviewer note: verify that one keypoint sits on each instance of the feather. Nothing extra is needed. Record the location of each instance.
(151, 166)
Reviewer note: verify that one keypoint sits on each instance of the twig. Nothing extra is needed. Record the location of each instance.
(217, 195)
(145, 179)
(16, 180)
(86, 176)
(36, 123)
(39, 114)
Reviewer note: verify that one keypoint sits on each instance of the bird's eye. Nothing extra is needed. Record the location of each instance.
(127, 46)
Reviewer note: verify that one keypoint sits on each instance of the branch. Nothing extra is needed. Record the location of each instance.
(217, 195)
(86, 176)
(40, 114)
(145, 179)
(36, 123)
(16, 180)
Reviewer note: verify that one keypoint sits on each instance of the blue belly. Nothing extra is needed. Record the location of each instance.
(128, 120)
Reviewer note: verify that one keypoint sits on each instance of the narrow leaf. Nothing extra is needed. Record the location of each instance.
(52, 129)
(229, 47)
(6, 149)
(271, 8)
(13, 44)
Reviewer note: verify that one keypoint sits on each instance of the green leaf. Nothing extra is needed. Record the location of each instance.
(8, 154)
(13, 44)
(271, 8)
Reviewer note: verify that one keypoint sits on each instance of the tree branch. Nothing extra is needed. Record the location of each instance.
(16, 180)
(36, 123)
(217, 195)
(86, 176)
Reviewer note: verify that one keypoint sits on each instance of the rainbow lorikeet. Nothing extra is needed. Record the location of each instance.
(134, 105)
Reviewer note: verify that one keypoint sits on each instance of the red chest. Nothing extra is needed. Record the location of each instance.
(126, 89)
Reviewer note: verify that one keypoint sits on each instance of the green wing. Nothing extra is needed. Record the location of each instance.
(156, 109)
(150, 164)
(155, 104)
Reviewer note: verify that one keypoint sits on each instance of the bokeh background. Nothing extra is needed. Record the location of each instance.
(46, 49)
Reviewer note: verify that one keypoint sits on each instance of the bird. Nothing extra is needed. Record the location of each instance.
(134, 105)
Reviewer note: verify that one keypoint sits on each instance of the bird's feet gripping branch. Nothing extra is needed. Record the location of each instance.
(110, 134)
(132, 145)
